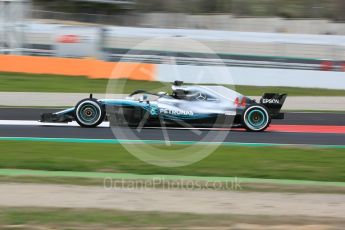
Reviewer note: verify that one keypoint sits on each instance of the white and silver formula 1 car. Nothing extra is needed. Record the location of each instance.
(188, 105)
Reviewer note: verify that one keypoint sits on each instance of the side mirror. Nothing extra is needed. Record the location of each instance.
(144, 98)
(160, 94)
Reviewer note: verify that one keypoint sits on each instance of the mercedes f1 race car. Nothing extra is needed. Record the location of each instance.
(187, 106)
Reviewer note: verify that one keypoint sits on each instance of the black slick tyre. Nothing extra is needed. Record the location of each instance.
(256, 118)
(89, 113)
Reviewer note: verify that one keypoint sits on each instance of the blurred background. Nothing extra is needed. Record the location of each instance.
(32, 27)
(270, 34)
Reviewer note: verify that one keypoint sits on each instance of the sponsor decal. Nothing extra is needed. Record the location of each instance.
(69, 38)
(270, 101)
(73, 38)
(230, 113)
(154, 111)
(176, 112)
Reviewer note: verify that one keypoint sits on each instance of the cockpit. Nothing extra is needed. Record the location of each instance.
(191, 93)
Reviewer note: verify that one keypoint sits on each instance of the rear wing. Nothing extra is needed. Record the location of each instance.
(274, 102)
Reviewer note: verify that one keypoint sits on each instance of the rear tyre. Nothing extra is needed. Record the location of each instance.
(89, 113)
(256, 118)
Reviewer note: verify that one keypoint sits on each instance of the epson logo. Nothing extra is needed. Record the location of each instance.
(270, 101)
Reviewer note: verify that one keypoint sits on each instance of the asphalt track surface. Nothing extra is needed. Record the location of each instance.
(324, 119)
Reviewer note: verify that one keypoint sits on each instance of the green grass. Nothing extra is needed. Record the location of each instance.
(54, 218)
(68, 217)
(19, 82)
(316, 164)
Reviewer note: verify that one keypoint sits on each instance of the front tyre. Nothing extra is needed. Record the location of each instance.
(89, 113)
(256, 118)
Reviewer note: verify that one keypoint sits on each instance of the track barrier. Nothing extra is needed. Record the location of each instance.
(91, 68)
(326, 77)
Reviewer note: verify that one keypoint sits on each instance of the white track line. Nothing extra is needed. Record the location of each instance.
(103, 125)
(37, 123)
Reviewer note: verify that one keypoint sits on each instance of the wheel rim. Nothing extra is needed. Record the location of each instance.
(88, 113)
(257, 119)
